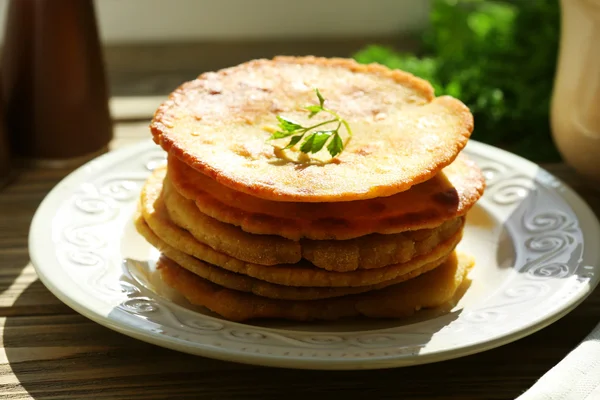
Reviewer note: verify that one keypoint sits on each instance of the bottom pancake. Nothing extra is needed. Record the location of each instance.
(429, 290)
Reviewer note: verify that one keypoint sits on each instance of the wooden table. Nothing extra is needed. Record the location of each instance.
(50, 352)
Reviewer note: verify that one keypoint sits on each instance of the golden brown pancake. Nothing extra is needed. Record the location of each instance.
(448, 195)
(302, 274)
(429, 290)
(371, 251)
(248, 284)
(375, 250)
(224, 238)
(219, 124)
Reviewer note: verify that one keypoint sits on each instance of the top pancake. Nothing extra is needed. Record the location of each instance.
(403, 135)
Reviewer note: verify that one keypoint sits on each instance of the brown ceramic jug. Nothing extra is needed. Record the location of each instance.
(55, 95)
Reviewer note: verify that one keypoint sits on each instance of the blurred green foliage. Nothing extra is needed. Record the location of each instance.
(499, 58)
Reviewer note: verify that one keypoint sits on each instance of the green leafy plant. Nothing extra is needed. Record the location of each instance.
(315, 140)
(499, 58)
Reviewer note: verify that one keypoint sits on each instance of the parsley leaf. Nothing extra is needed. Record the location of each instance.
(315, 140)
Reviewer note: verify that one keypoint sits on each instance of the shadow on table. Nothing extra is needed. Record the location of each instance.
(14, 257)
(19, 201)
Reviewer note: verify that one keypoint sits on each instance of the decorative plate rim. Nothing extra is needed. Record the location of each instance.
(76, 298)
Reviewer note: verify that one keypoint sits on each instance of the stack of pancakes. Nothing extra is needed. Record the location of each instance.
(250, 230)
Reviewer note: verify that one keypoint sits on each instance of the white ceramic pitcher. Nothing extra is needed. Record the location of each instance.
(575, 112)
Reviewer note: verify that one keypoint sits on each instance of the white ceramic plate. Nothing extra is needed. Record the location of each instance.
(535, 243)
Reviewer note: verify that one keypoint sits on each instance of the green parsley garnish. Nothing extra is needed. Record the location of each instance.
(316, 140)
